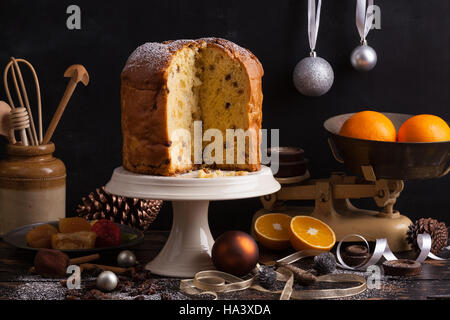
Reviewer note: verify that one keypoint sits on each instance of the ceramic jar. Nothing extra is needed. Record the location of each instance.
(32, 186)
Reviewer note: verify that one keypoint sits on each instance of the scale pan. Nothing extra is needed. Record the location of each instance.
(390, 160)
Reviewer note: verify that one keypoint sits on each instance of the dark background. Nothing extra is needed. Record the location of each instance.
(412, 76)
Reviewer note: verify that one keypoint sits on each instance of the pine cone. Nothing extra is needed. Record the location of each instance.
(134, 212)
(325, 263)
(437, 230)
(267, 277)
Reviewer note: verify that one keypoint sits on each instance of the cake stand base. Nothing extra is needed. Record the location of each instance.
(188, 248)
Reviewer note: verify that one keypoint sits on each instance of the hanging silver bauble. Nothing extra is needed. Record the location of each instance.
(313, 76)
(107, 281)
(363, 57)
(126, 259)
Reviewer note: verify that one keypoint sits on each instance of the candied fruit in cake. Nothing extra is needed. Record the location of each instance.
(108, 233)
(74, 240)
(76, 224)
(40, 236)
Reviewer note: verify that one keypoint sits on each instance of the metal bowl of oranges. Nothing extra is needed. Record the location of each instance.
(397, 146)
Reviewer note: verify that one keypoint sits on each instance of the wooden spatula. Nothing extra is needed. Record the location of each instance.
(76, 73)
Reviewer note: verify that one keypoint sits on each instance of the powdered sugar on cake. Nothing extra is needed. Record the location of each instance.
(151, 54)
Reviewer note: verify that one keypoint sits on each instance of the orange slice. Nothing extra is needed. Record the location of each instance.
(272, 231)
(311, 233)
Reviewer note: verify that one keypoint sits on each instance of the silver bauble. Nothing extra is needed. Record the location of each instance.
(107, 281)
(126, 258)
(313, 76)
(363, 58)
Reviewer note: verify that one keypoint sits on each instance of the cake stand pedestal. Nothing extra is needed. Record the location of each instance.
(188, 248)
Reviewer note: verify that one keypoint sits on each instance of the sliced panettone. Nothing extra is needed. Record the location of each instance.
(167, 86)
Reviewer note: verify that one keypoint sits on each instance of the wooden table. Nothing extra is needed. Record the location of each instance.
(17, 283)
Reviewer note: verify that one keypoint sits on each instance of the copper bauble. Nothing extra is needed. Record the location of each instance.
(235, 252)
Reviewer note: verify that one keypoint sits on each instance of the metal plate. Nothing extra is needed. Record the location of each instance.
(17, 238)
(390, 160)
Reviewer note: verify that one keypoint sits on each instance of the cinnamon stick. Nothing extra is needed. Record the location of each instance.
(84, 259)
(119, 270)
(301, 276)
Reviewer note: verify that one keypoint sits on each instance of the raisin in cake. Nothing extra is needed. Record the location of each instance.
(167, 86)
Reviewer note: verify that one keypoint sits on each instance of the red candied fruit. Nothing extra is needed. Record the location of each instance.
(108, 233)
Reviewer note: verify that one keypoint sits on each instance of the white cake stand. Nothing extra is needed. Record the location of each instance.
(188, 248)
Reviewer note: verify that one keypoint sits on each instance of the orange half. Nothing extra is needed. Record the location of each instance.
(273, 231)
(311, 233)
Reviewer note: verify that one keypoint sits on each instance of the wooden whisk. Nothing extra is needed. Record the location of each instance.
(19, 117)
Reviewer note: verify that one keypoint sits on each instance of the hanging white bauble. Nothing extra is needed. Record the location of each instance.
(313, 76)
(363, 57)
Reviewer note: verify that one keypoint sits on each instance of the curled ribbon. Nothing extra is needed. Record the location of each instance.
(213, 281)
(382, 250)
(364, 17)
(313, 23)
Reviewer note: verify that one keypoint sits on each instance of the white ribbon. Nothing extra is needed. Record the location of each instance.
(313, 22)
(382, 250)
(364, 17)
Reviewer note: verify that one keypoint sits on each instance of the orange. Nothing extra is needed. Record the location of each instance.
(76, 224)
(369, 125)
(424, 128)
(273, 231)
(311, 233)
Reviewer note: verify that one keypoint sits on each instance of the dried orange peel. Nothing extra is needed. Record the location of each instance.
(74, 224)
(311, 233)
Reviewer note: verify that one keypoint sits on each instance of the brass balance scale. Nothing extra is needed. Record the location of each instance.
(380, 169)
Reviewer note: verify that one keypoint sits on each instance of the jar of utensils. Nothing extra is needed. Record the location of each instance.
(32, 186)
(32, 181)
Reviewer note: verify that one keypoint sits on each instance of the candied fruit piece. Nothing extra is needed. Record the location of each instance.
(76, 224)
(108, 233)
(40, 236)
(74, 240)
